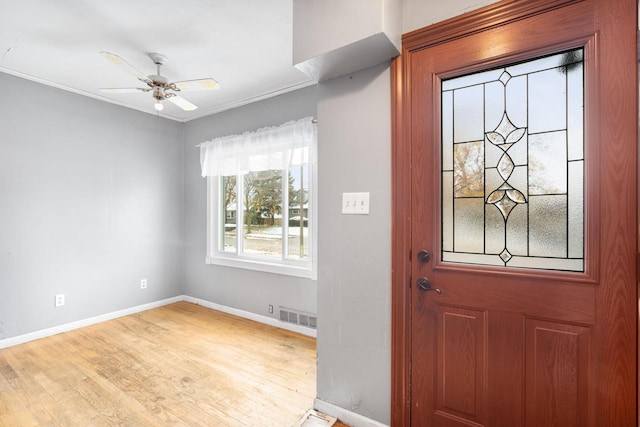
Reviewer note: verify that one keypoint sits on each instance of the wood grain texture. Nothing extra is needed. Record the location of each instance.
(491, 16)
(557, 358)
(461, 365)
(180, 364)
(401, 247)
(618, 110)
(602, 300)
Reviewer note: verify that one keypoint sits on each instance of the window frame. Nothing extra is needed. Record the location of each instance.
(283, 265)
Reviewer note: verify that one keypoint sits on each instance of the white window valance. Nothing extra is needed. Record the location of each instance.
(272, 148)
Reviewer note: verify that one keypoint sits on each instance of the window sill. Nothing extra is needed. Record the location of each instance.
(305, 271)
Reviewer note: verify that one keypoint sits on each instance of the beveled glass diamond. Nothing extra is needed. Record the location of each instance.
(505, 255)
(505, 205)
(505, 77)
(505, 127)
(505, 166)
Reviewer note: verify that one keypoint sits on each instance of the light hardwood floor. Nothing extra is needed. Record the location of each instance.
(181, 364)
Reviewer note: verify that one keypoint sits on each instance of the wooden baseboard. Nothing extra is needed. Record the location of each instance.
(43, 333)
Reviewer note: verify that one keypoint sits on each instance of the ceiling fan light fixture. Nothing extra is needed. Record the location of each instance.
(159, 85)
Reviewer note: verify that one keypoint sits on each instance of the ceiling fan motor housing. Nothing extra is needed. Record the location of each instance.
(159, 80)
(158, 93)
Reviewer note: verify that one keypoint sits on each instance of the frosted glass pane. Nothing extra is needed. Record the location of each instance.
(468, 229)
(494, 230)
(447, 131)
(548, 226)
(517, 230)
(472, 258)
(492, 154)
(471, 79)
(548, 263)
(547, 163)
(519, 152)
(518, 179)
(547, 101)
(468, 114)
(447, 211)
(576, 209)
(575, 112)
(493, 105)
(469, 169)
(547, 62)
(517, 100)
(493, 180)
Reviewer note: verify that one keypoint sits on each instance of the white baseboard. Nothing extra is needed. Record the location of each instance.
(21, 339)
(43, 333)
(344, 415)
(252, 316)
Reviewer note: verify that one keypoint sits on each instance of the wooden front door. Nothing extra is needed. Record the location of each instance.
(515, 218)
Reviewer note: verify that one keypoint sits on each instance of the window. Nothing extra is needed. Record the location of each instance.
(513, 165)
(261, 199)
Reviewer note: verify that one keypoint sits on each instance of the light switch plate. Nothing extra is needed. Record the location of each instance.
(355, 203)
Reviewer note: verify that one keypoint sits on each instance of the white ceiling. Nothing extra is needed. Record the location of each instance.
(243, 44)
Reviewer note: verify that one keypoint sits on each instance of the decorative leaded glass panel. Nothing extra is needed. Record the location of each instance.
(513, 165)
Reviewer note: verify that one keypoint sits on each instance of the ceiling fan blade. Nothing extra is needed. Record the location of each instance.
(199, 84)
(124, 89)
(182, 103)
(115, 59)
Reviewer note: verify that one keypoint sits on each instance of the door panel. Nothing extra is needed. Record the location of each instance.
(557, 363)
(461, 365)
(506, 344)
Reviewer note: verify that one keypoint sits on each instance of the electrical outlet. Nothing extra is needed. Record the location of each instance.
(143, 284)
(270, 309)
(59, 302)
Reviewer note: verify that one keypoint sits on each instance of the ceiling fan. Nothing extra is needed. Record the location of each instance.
(158, 85)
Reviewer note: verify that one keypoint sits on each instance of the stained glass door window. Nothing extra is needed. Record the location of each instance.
(513, 165)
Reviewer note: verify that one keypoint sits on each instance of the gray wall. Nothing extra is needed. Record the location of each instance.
(354, 260)
(246, 290)
(91, 201)
(420, 13)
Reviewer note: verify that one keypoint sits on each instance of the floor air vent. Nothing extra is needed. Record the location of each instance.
(298, 317)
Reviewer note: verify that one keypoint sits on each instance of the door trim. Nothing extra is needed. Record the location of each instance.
(624, 268)
(493, 15)
(401, 246)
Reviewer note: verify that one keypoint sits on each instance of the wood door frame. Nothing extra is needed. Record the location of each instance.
(494, 15)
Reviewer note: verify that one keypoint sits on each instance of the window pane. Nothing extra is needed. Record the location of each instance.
(298, 232)
(517, 156)
(263, 213)
(229, 214)
(548, 163)
(548, 227)
(469, 212)
(468, 114)
(547, 101)
(469, 169)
